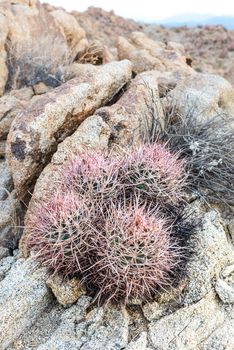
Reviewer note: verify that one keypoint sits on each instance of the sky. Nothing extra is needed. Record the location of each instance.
(150, 10)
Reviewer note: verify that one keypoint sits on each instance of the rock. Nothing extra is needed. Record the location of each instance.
(222, 338)
(5, 265)
(231, 229)
(3, 54)
(4, 252)
(78, 69)
(205, 95)
(147, 54)
(41, 88)
(93, 133)
(10, 106)
(104, 26)
(131, 118)
(188, 327)
(99, 329)
(73, 32)
(227, 271)
(138, 344)
(224, 286)
(2, 149)
(26, 20)
(23, 297)
(212, 253)
(31, 30)
(142, 60)
(10, 221)
(66, 292)
(225, 291)
(7, 208)
(154, 310)
(6, 184)
(36, 133)
(23, 94)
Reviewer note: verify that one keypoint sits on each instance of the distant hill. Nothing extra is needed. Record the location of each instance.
(192, 20)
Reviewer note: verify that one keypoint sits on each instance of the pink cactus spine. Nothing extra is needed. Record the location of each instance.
(57, 234)
(132, 254)
(99, 225)
(154, 171)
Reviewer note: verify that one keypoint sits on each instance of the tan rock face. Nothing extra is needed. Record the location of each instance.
(66, 292)
(31, 37)
(73, 32)
(37, 131)
(147, 54)
(131, 117)
(204, 94)
(3, 54)
(9, 107)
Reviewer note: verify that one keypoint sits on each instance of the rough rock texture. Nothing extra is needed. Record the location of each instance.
(23, 297)
(10, 210)
(10, 106)
(36, 132)
(24, 22)
(213, 252)
(3, 54)
(73, 32)
(189, 327)
(204, 94)
(99, 329)
(5, 266)
(4, 252)
(202, 316)
(211, 48)
(138, 344)
(6, 184)
(66, 292)
(132, 116)
(147, 54)
(2, 149)
(225, 285)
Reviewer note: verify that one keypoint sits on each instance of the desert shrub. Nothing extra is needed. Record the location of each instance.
(92, 54)
(33, 61)
(115, 221)
(207, 146)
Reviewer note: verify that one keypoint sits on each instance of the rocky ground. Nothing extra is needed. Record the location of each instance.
(115, 78)
(210, 48)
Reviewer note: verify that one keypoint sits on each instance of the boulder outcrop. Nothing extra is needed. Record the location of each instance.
(36, 132)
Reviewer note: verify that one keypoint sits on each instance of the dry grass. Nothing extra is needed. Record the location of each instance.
(93, 54)
(207, 146)
(41, 60)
